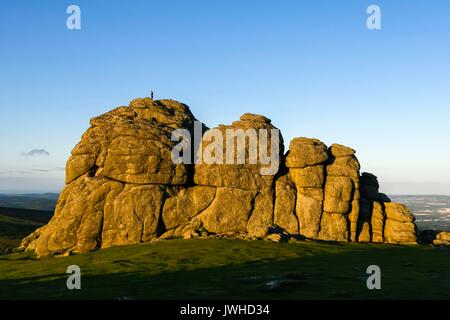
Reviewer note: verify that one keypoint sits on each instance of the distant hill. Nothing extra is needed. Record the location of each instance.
(49, 196)
(44, 202)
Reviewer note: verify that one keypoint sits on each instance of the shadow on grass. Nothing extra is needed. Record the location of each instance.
(407, 273)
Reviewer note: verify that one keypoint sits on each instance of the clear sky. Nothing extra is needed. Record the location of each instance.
(312, 66)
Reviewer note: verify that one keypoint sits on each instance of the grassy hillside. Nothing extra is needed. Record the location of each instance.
(228, 268)
(15, 224)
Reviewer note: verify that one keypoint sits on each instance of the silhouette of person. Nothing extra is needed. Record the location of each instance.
(151, 94)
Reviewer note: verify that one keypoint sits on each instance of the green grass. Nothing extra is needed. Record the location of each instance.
(27, 214)
(232, 269)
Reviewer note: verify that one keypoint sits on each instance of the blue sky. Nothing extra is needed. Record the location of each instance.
(311, 66)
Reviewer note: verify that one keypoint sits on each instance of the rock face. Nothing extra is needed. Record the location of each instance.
(123, 186)
(399, 226)
(442, 238)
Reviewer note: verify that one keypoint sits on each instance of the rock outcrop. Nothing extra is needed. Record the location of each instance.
(442, 239)
(123, 186)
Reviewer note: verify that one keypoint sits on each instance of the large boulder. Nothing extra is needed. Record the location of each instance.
(117, 180)
(78, 220)
(304, 152)
(229, 211)
(243, 170)
(248, 155)
(133, 144)
(442, 239)
(182, 205)
(399, 225)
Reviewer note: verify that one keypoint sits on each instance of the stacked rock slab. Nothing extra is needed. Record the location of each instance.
(123, 187)
(382, 220)
(306, 162)
(341, 196)
(322, 195)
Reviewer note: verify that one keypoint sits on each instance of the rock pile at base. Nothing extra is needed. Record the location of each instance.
(123, 188)
(442, 238)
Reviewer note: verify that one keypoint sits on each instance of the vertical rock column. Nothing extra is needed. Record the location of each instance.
(341, 199)
(372, 216)
(306, 162)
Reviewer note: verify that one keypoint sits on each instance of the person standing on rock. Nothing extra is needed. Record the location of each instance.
(151, 94)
